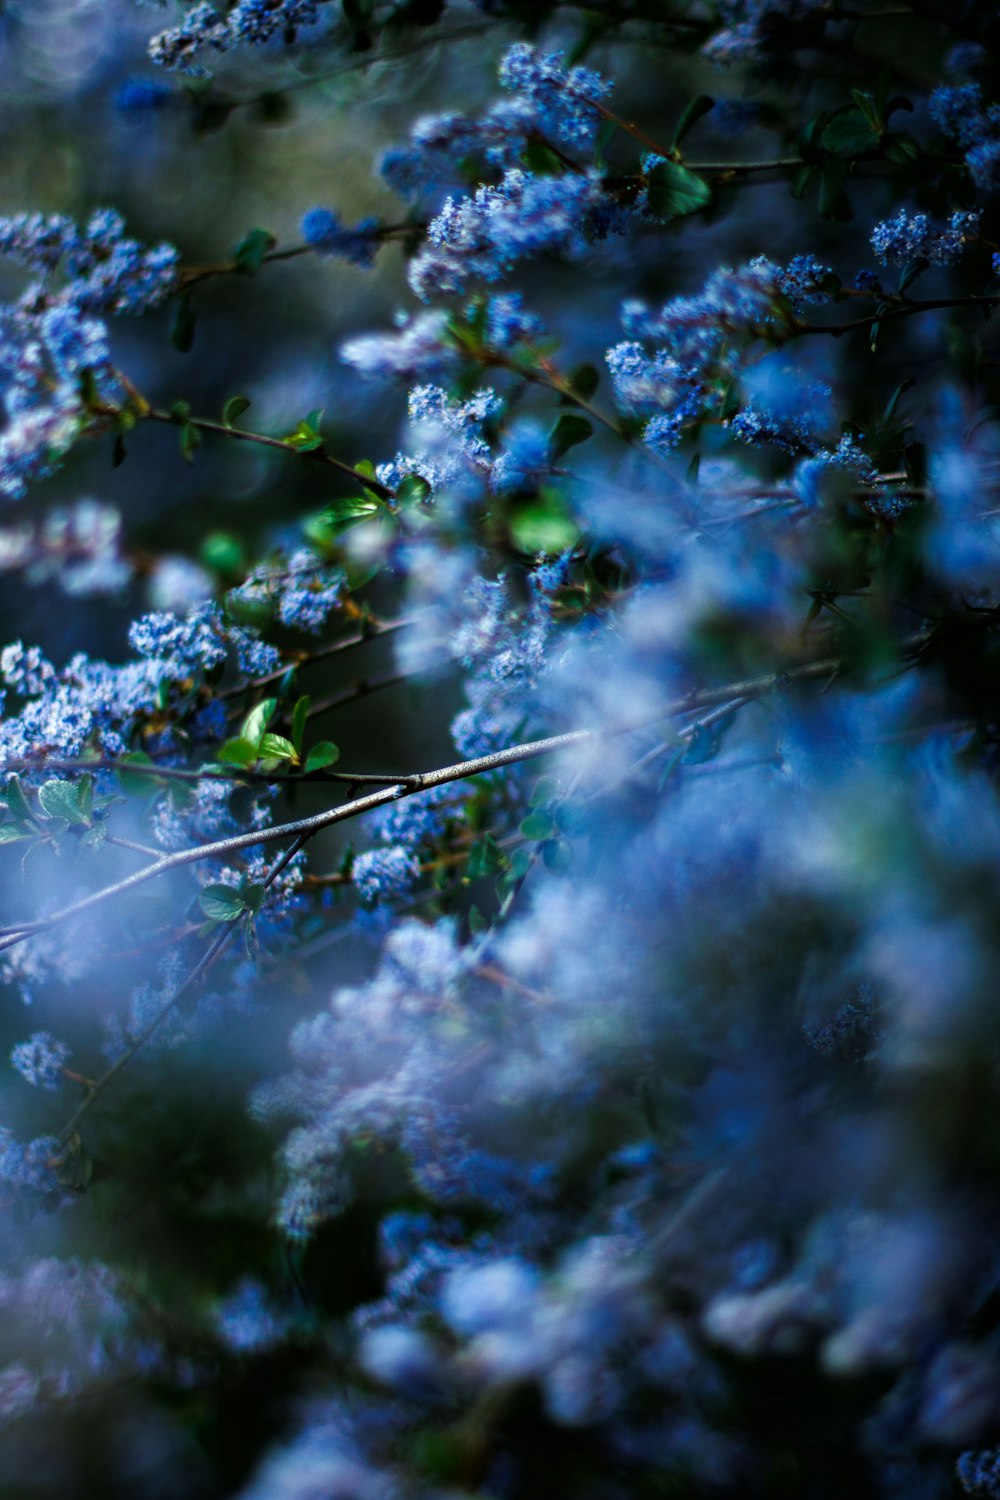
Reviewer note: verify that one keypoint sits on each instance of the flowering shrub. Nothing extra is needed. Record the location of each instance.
(501, 836)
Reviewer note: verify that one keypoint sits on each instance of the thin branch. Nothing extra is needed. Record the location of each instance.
(241, 435)
(201, 967)
(904, 310)
(751, 687)
(372, 630)
(192, 275)
(217, 772)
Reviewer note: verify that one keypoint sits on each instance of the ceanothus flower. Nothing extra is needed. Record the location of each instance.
(907, 237)
(323, 230)
(562, 98)
(40, 1060)
(380, 874)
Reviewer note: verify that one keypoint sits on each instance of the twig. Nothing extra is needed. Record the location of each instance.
(751, 687)
(201, 967)
(241, 435)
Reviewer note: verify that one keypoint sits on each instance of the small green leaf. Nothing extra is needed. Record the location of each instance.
(257, 721)
(276, 747)
(251, 250)
(304, 438)
(224, 554)
(674, 191)
(834, 203)
(190, 441)
(15, 799)
(568, 431)
(414, 490)
(802, 182)
(543, 527)
(537, 825)
(583, 382)
(546, 789)
(485, 858)
(12, 833)
(134, 780)
(300, 717)
(322, 755)
(221, 903)
(557, 856)
(237, 752)
(911, 271)
(901, 149)
(63, 799)
(95, 838)
(893, 401)
(692, 114)
(850, 134)
(234, 407)
(253, 897)
(182, 329)
(477, 922)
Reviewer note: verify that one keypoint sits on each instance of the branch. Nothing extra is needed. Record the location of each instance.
(319, 455)
(410, 785)
(371, 631)
(904, 310)
(201, 967)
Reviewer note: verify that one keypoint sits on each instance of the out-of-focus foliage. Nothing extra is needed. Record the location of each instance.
(499, 749)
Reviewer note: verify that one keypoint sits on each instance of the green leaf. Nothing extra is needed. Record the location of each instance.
(12, 833)
(322, 755)
(276, 747)
(15, 799)
(809, 140)
(300, 716)
(85, 797)
(543, 527)
(221, 903)
(134, 780)
(485, 858)
(542, 160)
(190, 441)
(304, 437)
(234, 407)
(95, 838)
(901, 149)
(477, 922)
(546, 790)
(850, 133)
(63, 799)
(538, 825)
(557, 856)
(182, 329)
(893, 401)
(237, 752)
(866, 105)
(911, 271)
(224, 554)
(674, 191)
(833, 201)
(568, 431)
(253, 896)
(583, 382)
(692, 114)
(414, 490)
(802, 182)
(251, 250)
(257, 721)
